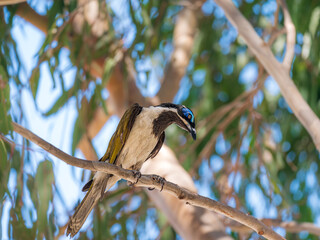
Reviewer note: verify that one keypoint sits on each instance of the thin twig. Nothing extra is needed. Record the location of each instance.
(292, 227)
(262, 51)
(152, 181)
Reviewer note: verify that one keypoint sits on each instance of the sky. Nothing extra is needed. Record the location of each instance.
(58, 128)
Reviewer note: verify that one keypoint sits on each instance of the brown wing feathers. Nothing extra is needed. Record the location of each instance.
(119, 138)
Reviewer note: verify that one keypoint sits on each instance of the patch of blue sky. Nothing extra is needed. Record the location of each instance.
(115, 228)
(276, 132)
(41, 6)
(198, 77)
(271, 212)
(272, 86)
(7, 204)
(151, 229)
(183, 92)
(148, 84)
(218, 23)
(264, 180)
(208, 7)
(134, 203)
(167, 47)
(303, 235)
(237, 3)
(255, 200)
(190, 65)
(312, 186)
(218, 12)
(204, 184)
(234, 179)
(256, 9)
(276, 199)
(286, 214)
(216, 163)
(245, 145)
(313, 165)
(269, 7)
(286, 146)
(297, 49)
(123, 23)
(317, 221)
(233, 157)
(222, 146)
(29, 40)
(5, 217)
(311, 180)
(283, 104)
(280, 231)
(139, 46)
(104, 135)
(143, 64)
(300, 38)
(229, 35)
(142, 81)
(29, 213)
(249, 74)
(47, 94)
(232, 203)
(130, 225)
(153, 84)
(204, 189)
(258, 98)
(259, 31)
(294, 186)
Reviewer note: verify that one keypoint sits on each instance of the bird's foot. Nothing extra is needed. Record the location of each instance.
(137, 175)
(158, 179)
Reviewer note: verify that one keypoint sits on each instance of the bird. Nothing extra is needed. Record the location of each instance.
(139, 136)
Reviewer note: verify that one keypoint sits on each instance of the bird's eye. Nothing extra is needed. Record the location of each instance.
(188, 114)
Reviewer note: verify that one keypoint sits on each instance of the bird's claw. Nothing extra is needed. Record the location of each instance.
(160, 180)
(137, 175)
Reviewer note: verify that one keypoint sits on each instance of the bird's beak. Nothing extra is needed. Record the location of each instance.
(193, 133)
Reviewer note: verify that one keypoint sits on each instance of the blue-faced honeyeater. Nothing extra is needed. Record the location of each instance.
(138, 137)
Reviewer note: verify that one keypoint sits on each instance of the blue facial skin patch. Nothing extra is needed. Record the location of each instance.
(186, 112)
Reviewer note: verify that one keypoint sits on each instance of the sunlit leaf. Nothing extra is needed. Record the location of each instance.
(60, 102)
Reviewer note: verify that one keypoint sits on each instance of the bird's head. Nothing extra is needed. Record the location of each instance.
(181, 115)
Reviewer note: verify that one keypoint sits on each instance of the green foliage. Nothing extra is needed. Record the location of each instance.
(44, 181)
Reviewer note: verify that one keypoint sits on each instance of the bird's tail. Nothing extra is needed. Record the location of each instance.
(92, 197)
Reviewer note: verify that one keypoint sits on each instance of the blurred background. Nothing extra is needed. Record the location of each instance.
(68, 71)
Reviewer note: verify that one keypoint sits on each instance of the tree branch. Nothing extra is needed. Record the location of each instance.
(291, 36)
(189, 221)
(292, 227)
(183, 38)
(151, 181)
(11, 2)
(263, 53)
(31, 16)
